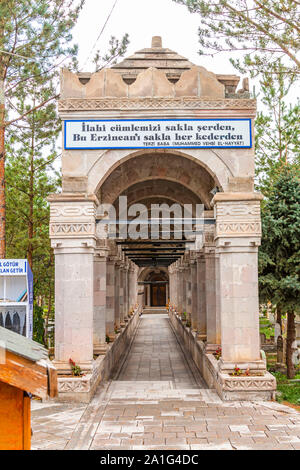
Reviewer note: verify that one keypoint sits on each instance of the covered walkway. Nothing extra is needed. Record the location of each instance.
(158, 400)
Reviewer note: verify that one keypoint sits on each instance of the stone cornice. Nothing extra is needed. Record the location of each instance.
(111, 104)
(72, 197)
(231, 197)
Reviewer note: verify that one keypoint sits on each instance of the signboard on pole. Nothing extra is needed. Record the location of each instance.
(16, 296)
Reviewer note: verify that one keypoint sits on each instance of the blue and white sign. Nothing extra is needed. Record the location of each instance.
(156, 134)
(13, 267)
(16, 296)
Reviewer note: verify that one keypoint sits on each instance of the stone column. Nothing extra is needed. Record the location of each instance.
(180, 289)
(184, 287)
(188, 291)
(171, 284)
(170, 271)
(100, 284)
(131, 286)
(212, 314)
(238, 232)
(194, 294)
(121, 294)
(72, 233)
(168, 292)
(175, 286)
(110, 299)
(117, 295)
(136, 287)
(201, 297)
(125, 292)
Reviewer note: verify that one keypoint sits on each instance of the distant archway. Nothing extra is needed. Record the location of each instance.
(156, 286)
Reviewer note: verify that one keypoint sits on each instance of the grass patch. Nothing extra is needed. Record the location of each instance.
(268, 331)
(265, 321)
(271, 361)
(289, 392)
(266, 327)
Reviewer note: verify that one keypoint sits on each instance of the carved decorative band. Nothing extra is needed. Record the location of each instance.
(70, 211)
(249, 384)
(238, 209)
(71, 229)
(239, 228)
(75, 385)
(153, 103)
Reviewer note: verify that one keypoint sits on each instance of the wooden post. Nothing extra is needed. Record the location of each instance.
(26, 422)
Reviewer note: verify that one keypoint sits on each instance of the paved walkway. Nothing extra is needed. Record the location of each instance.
(158, 401)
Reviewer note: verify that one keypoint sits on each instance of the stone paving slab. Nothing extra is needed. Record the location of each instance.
(157, 401)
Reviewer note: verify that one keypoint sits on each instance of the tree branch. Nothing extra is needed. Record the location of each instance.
(8, 123)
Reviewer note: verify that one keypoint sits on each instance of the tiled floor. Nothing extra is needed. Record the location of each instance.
(158, 401)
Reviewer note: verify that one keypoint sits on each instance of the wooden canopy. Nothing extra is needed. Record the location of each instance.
(24, 364)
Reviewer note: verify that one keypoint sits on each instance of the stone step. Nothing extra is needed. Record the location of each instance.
(154, 310)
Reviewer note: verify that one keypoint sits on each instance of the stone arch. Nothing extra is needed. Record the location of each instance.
(145, 272)
(159, 191)
(209, 159)
(158, 166)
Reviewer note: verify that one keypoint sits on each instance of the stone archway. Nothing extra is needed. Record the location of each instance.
(154, 283)
(213, 281)
(214, 168)
(191, 178)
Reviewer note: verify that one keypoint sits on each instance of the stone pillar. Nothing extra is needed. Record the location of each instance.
(110, 299)
(238, 232)
(148, 295)
(100, 283)
(121, 295)
(188, 292)
(175, 286)
(72, 233)
(218, 301)
(125, 292)
(212, 314)
(180, 289)
(131, 286)
(184, 287)
(194, 294)
(136, 286)
(117, 295)
(171, 280)
(201, 297)
(168, 291)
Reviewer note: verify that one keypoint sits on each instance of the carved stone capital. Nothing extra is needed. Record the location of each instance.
(237, 215)
(72, 217)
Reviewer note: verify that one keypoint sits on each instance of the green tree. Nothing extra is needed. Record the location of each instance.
(279, 256)
(266, 30)
(30, 178)
(35, 38)
(117, 48)
(276, 129)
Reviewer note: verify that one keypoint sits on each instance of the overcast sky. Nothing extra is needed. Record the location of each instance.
(142, 19)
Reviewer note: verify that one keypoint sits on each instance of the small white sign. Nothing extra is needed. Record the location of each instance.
(153, 134)
(13, 267)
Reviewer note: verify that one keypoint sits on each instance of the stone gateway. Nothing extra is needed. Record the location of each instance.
(158, 129)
